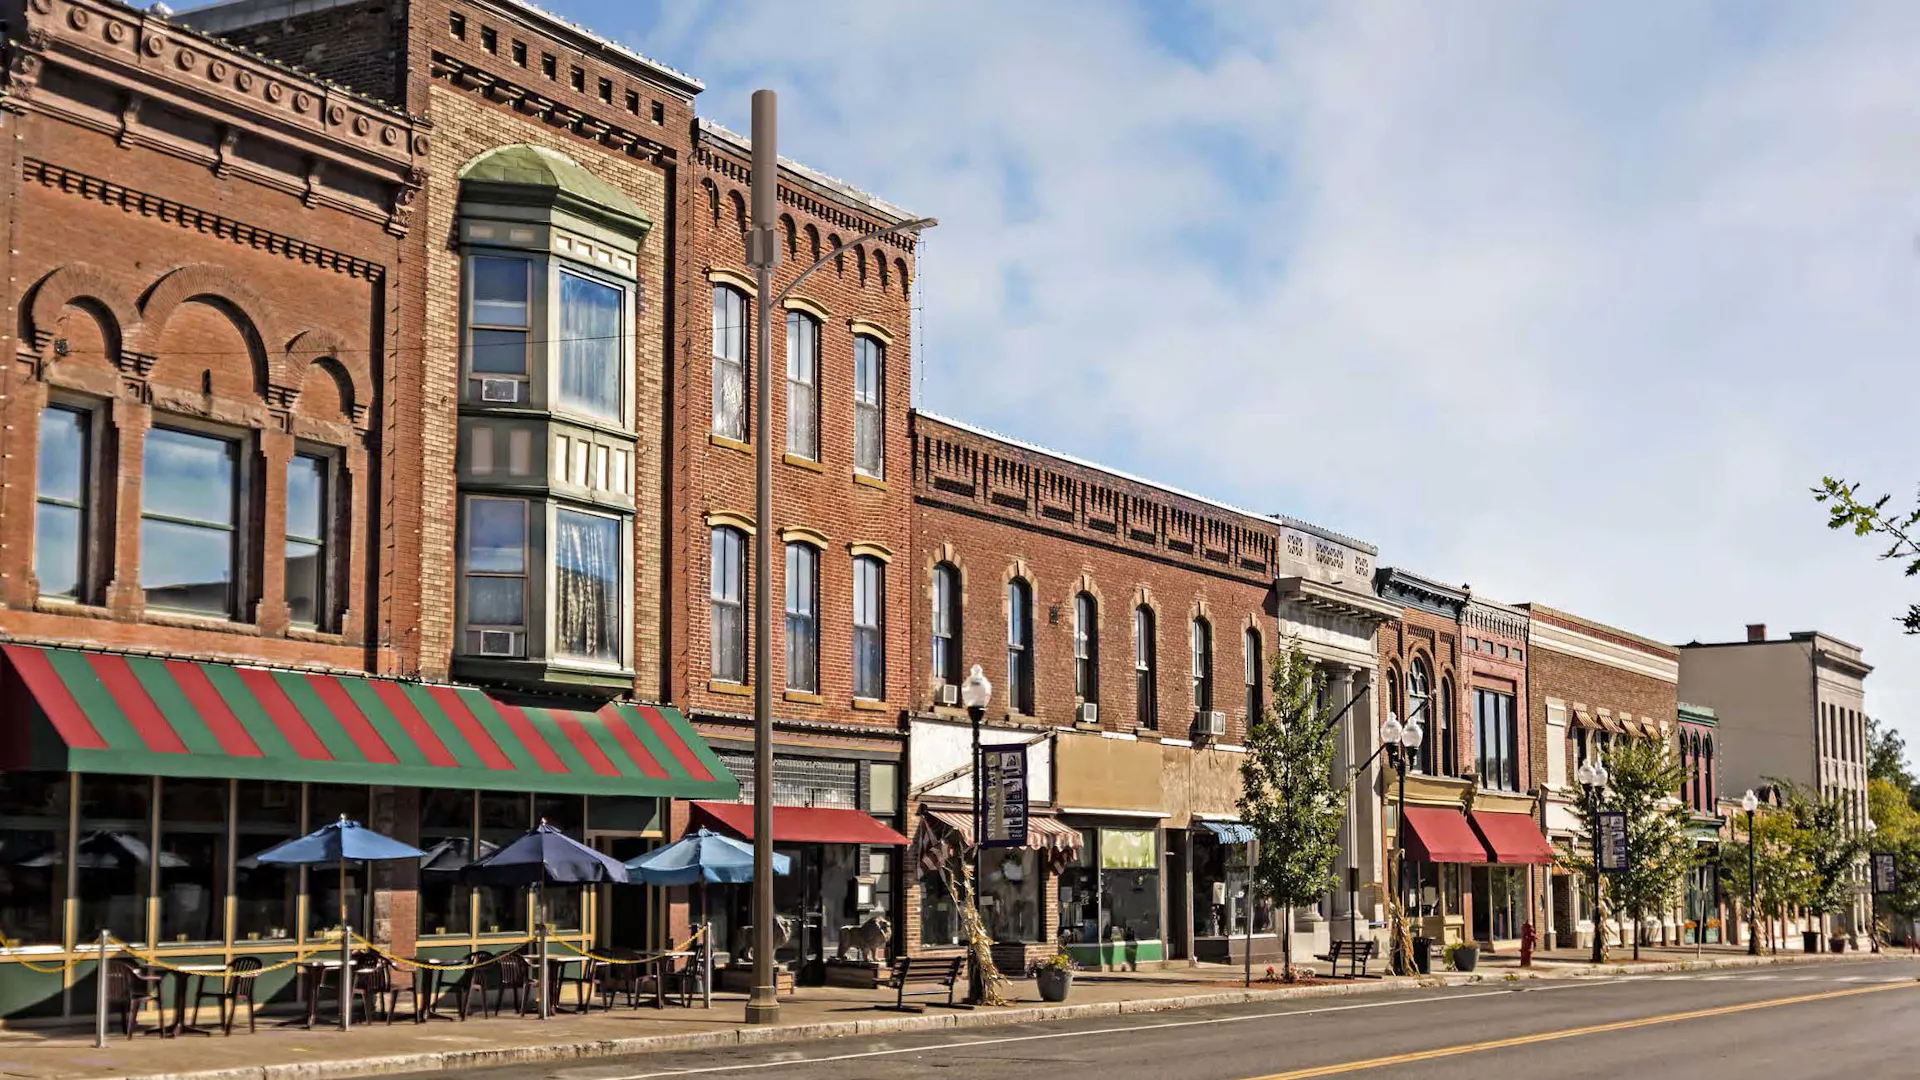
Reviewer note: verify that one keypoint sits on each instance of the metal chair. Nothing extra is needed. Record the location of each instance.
(513, 974)
(390, 987)
(472, 982)
(238, 983)
(129, 989)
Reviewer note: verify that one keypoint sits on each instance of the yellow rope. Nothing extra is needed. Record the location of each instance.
(43, 969)
(646, 958)
(410, 962)
(223, 971)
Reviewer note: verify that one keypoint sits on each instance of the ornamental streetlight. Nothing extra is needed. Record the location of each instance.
(1593, 778)
(1750, 802)
(1400, 741)
(976, 691)
(763, 256)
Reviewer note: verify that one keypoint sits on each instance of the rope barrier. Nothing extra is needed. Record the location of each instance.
(646, 958)
(223, 971)
(405, 961)
(60, 968)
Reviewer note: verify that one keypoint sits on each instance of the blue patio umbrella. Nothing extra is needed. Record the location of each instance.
(545, 856)
(700, 857)
(340, 842)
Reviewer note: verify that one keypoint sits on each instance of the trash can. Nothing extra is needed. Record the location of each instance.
(1423, 955)
(1810, 940)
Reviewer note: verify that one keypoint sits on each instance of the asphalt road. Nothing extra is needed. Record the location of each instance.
(1852, 1020)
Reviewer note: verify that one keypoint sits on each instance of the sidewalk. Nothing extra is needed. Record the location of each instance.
(291, 1053)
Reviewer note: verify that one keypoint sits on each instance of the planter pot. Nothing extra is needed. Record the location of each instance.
(1423, 955)
(1466, 957)
(1837, 944)
(1810, 941)
(1054, 984)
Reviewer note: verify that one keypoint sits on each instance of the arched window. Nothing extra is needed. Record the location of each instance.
(728, 576)
(1420, 710)
(869, 424)
(1711, 794)
(869, 628)
(813, 244)
(1445, 759)
(946, 624)
(1146, 710)
(803, 368)
(1256, 675)
(1202, 639)
(739, 210)
(839, 257)
(1393, 695)
(793, 238)
(1086, 648)
(729, 362)
(1019, 647)
(860, 262)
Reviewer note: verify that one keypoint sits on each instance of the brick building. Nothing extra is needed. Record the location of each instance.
(1589, 684)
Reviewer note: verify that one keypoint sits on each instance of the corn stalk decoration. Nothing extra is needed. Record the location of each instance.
(993, 985)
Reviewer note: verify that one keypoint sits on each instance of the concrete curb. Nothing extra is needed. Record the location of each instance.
(454, 1060)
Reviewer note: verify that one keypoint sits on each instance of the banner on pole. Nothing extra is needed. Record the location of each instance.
(1886, 873)
(1611, 844)
(1002, 815)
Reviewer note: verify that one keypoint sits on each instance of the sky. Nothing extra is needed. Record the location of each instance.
(1570, 303)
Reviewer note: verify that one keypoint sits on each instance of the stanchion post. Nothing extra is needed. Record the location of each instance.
(545, 1005)
(706, 964)
(100, 997)
(346, 977)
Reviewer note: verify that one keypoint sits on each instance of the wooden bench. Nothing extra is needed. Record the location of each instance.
(932, 973)
(1356, 953)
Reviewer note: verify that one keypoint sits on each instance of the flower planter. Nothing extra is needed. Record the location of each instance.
(1837, 944)
(1054, 983)
(1466, 957)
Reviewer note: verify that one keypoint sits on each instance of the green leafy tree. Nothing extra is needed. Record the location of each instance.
(1782, 868)
(1898, 529)
(1643, 775)
(1833, 848)
(1288, 797)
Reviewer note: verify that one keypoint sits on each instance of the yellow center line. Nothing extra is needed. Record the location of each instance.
(1571, 1033)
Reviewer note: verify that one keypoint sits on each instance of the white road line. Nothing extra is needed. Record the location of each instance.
(1132, 1029)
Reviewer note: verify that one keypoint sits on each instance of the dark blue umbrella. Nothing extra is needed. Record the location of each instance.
(700, 857)
(545, 856)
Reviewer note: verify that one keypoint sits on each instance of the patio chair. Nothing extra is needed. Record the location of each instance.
(242, 975)
(683, 980)
(513, 974)
(471, 982)
(129, 989)
(583, 982)
(391, 985)
(612, 980)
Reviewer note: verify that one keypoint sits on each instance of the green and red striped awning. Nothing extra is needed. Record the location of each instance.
(110, 713)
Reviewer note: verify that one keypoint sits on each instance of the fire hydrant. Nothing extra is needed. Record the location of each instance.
(1526, 944)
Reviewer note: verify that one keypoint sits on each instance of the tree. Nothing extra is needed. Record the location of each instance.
(1900, 530)
(1643, 775)
(1887, 760)
(1287, 793)
(1781, 866)
(1833, 848)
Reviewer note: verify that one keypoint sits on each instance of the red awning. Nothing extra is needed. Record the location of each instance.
(803, 824)
(1439, 835)
(1513, 838)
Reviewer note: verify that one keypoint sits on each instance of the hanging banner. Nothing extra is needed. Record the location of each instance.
(1886, 874)
(1001, 819)
(1612, 848)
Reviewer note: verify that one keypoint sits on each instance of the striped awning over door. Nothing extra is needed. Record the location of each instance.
(112, 713)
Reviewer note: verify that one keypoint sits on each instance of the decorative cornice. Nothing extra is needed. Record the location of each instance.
(205, 221)
(1412, 590)
(530, 102)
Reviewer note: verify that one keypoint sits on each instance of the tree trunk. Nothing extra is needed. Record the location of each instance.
(1286, 943)
(1636, 935)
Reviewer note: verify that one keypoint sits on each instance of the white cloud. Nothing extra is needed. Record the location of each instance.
(1571, 304)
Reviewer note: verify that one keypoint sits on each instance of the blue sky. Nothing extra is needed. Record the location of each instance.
(1569, 302)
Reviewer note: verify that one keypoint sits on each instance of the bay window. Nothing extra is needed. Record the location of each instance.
(869, 628)
(587, 580)
(728, 572)
(189, 522)
(496, 576)
(869, 426)
(803, 637)
(590, 347)
(729, 363)
(803, 365)
(499, 326)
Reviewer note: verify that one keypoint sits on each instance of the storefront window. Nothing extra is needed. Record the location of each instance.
(1010, 894)
(1499, 902)
(264, 896)
(1129, 885)
(568, 813)
(1221, 900)
(33, 865)
(114, 856)
(503, 818)
(327, 803)
(193, 860)
(446, 835)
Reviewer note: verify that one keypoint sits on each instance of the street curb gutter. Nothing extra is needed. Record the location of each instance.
(455, 1060)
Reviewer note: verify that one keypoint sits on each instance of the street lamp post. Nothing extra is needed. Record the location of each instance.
(975, 693)
(1750, 802)
(1400, 742)
(1593, 777)
(763, 256)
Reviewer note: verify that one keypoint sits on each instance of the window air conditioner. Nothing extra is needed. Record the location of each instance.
(499, 643)
(1211, 724)
(949, 694)
(1088, 713)
(506, 390)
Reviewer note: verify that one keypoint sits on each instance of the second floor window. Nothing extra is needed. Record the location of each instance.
(869, 628)
(189, 522)
(496, 576)
(1202, 665)
(728, 550)
(729, 363)
(587, 610)
(500, 323)
(1019, 647)
(309, 525)
(803, 636)
(1256, 676)
(1146, 709)
(869, 427)
(61, 525)
(946, 624)
(1420, 711)
(803, 365)
(1086, 648)
(1496, 755)
(590, 340)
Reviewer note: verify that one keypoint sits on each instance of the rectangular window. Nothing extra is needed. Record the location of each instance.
(499, 326)
(1256, 676)
(548, 66)
(869, 628)
(33, 879)
(60, 522)
(1496, 750)
(264, 896)
(457, 25)
(446, 835)
(496, 576)
(803, 364)
(869, 427)
(1146, 710)
(803, 640)
(192, 858)
(729, 363)
(520, 53)
(587, 623)
(1086, 649)
(590, 347)
(578, 79)
(114, 849)
(504, 817)
(633, 102)
(189, 522)
(606, 91)
(309, 525)
(489, 40)
(946, 624)
(659, 113)
(1019, 647)
(729, 573)
(1202, 666)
